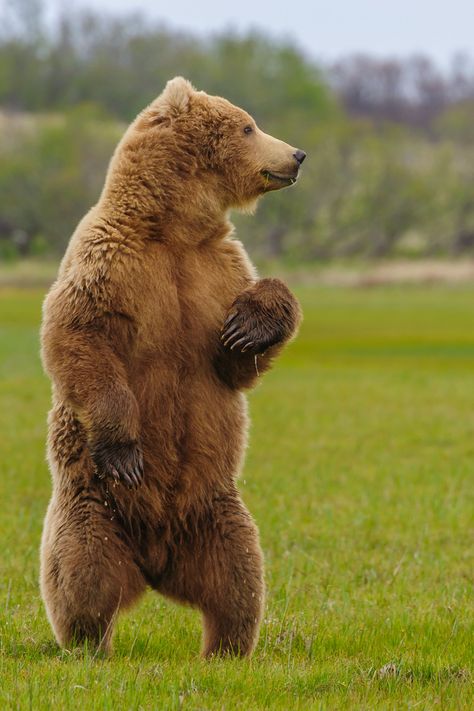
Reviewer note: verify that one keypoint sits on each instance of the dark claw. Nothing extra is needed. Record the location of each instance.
(126, 480)
(131, 477)
(122, 462)
(236, 335)
(135, 475)
(247, 346)
(126, 477)
(229, 319)
(230, 331)
(239, 342)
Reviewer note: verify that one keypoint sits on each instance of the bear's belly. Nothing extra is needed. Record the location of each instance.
(194, 428)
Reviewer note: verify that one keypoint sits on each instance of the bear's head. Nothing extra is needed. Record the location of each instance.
(208, 138)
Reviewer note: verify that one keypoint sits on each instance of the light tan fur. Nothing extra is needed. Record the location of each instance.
(150, 334)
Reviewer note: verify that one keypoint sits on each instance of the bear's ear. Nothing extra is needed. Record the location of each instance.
(175, 98)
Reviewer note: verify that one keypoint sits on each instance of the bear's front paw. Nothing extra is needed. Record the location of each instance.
(121, 461)
(263, 316)
(246, 331)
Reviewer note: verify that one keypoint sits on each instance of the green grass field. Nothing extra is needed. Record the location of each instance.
(360, 474)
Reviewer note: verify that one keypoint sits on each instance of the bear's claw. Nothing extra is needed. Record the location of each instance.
(248, 334)
(240, 342)
(232, 330)
(123, 462)
(229, 320)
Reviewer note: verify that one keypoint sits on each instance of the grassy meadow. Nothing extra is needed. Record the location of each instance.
(360, 474)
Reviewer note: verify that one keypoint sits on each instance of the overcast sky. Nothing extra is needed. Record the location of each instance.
(324, 28)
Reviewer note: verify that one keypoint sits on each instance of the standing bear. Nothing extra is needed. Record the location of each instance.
(155, 325)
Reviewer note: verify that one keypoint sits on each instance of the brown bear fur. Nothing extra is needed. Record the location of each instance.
(148, 425)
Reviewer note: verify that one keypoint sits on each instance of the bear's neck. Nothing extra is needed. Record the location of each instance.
(157, 202)
(192, 220)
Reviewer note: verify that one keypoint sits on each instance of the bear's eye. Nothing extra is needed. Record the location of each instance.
(248, 129)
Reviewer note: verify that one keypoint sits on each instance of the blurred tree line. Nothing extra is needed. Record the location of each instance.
(390, 143)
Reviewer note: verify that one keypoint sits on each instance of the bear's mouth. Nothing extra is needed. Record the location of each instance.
(278, 177)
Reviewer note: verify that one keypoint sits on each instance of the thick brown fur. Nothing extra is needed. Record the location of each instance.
(156, 323)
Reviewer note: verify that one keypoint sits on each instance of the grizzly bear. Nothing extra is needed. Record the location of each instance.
(155, 325)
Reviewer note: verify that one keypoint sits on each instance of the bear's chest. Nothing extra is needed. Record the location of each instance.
(187, 300)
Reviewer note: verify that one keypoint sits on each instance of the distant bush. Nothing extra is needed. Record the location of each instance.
(51, 172)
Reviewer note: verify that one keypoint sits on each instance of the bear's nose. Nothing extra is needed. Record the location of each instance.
(299, 156)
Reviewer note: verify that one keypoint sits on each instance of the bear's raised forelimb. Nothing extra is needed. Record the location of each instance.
(258, 324)
(90, 376)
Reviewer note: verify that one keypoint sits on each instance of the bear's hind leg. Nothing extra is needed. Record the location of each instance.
(218, 567)
(87, 574)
